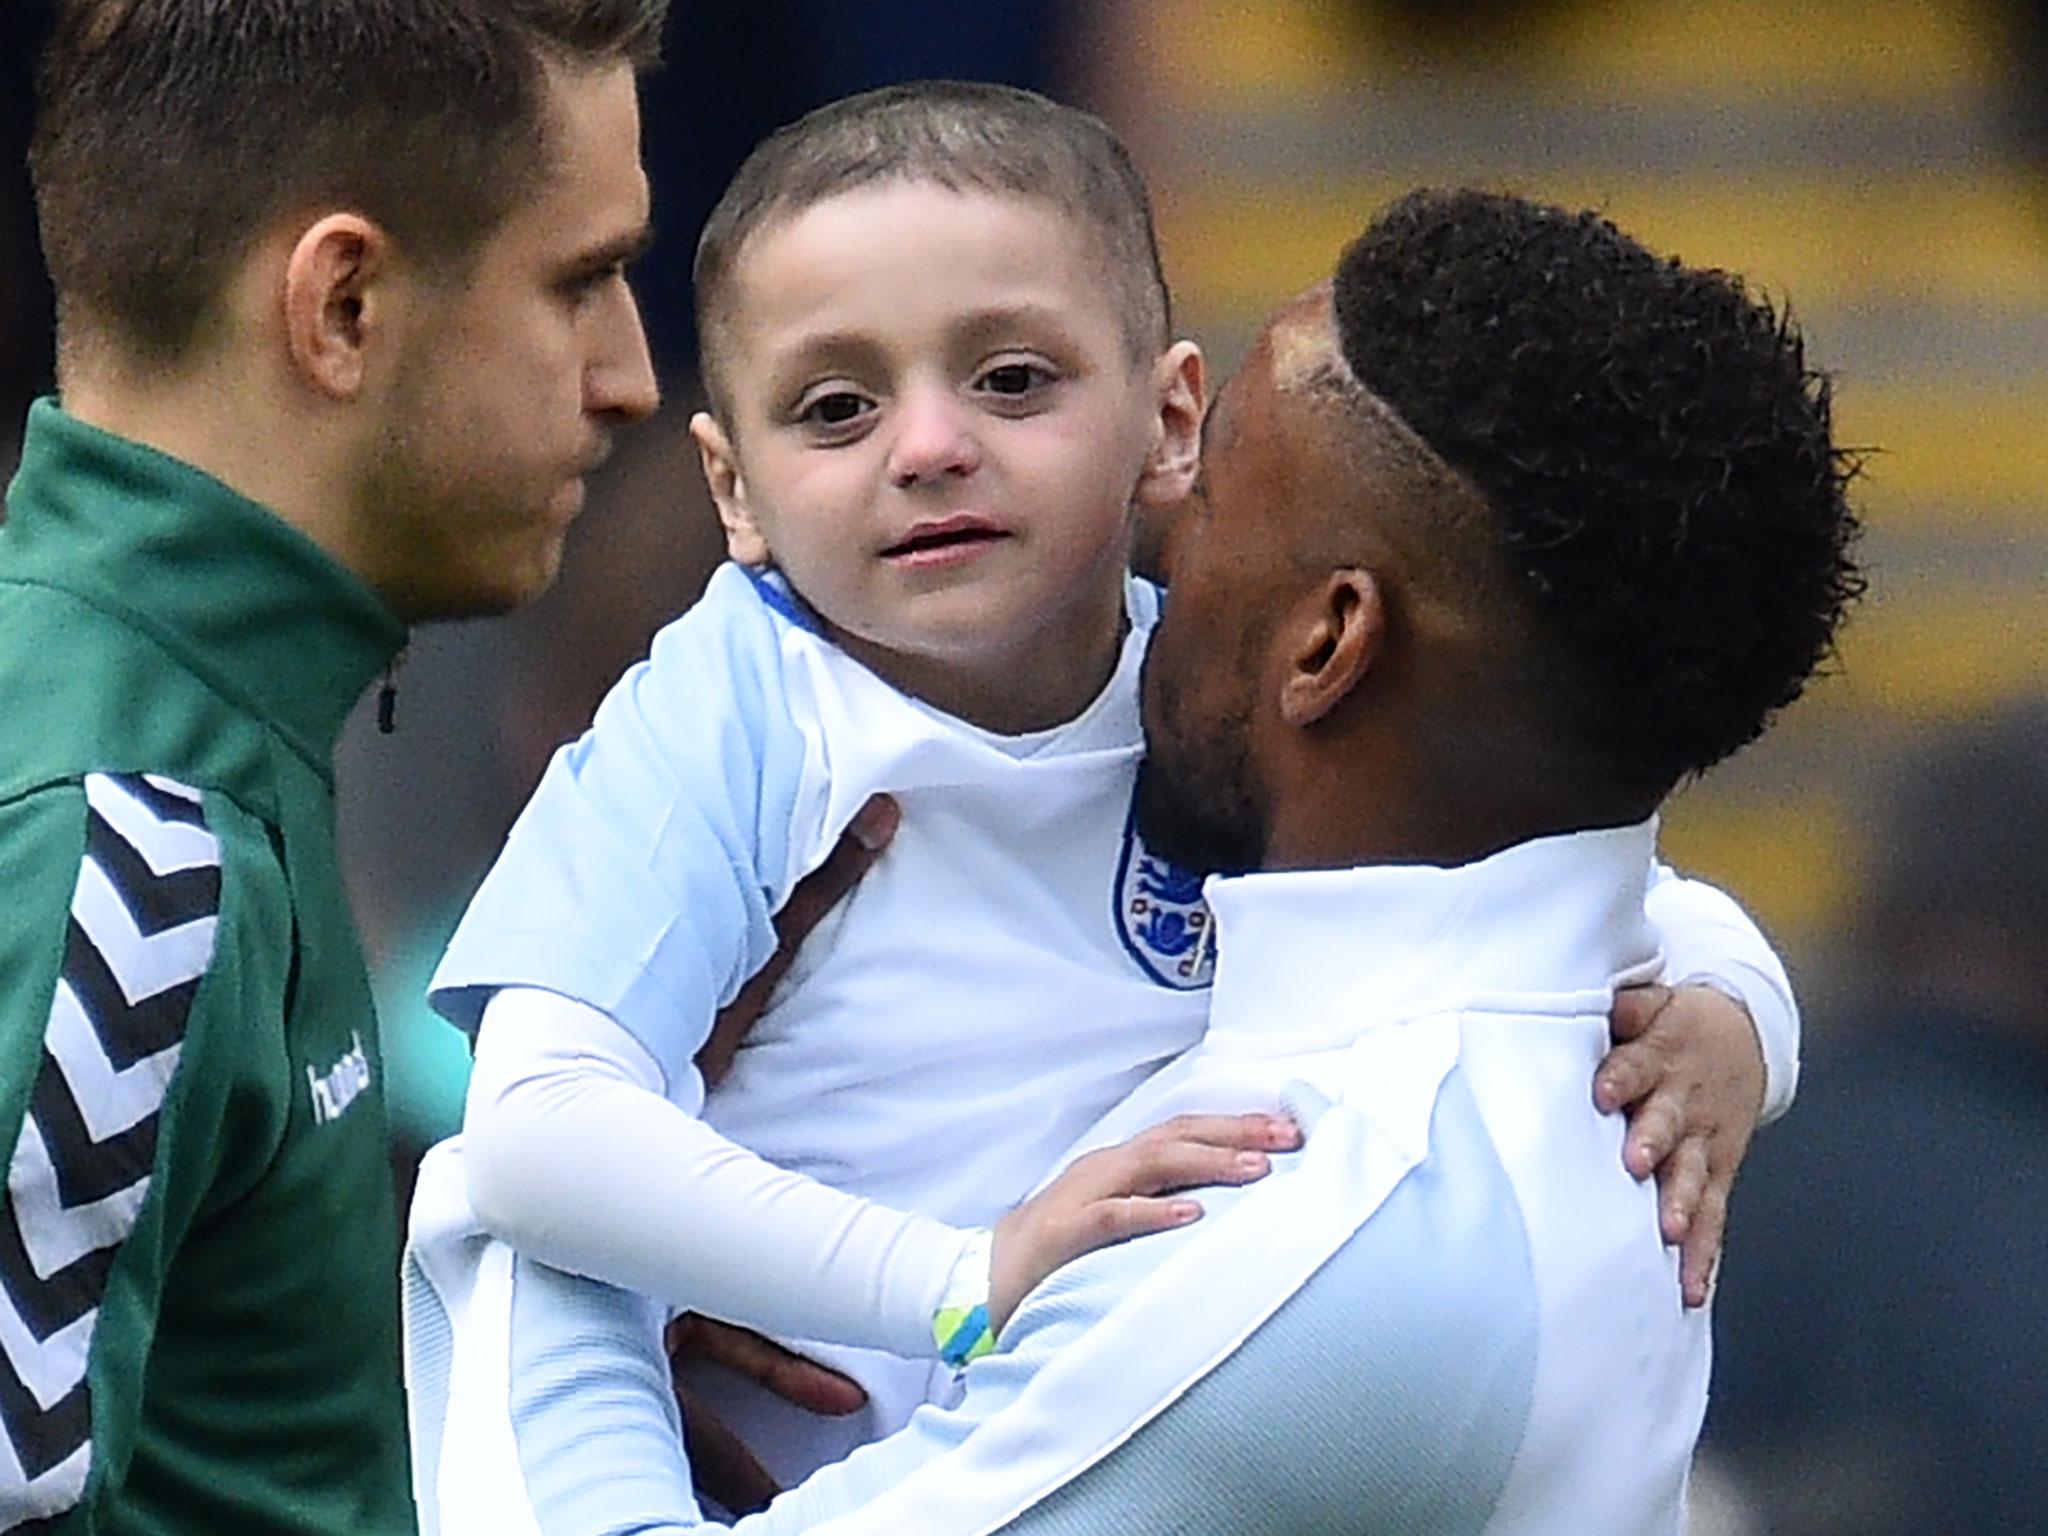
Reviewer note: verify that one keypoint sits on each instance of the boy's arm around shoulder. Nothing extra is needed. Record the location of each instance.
(1708, 938)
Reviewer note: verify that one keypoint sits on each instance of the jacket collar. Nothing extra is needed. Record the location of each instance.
(1313, 958)
(237, 595)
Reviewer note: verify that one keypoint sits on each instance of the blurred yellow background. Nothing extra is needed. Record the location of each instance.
(1851, 159)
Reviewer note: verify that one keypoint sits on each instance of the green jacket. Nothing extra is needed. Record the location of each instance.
(198, 1310)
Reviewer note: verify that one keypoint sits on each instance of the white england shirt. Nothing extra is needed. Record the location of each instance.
(1011, 967)
(1450, 1312)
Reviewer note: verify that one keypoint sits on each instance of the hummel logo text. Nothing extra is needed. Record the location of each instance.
(342, 1085)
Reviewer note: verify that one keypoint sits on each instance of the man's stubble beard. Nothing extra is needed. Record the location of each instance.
(1198, 800)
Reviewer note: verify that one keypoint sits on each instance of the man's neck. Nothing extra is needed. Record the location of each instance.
(1411, 812)
(223, 428)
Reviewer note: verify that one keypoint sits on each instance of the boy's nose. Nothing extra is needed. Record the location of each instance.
(934, 438)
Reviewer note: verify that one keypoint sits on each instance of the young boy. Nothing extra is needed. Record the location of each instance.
(936, 340)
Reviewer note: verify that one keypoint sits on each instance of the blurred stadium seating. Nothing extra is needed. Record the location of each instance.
(1853, 157)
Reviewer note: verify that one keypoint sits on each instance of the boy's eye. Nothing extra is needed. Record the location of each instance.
(1015, 378)
(835, 409)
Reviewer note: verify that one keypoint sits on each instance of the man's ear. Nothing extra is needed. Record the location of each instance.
(1333, 645)
(744, 541)
(1176, 454)
(337, 299)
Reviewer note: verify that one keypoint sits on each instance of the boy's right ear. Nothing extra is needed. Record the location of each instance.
(744, 541)
(1181, 387)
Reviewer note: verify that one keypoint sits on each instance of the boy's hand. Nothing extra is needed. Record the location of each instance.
(1116, 1193)
(1687, 1067)
(873, 825)
(719, 1460)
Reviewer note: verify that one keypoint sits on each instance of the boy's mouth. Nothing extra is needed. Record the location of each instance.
(939, 540)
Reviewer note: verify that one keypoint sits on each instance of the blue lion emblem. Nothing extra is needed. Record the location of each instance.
(1162, 918)
(1165, 882)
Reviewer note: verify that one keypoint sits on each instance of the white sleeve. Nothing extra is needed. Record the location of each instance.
(574, 1156)
(1707, 937)
(642, 876)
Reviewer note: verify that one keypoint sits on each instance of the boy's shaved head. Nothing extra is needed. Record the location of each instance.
(966, 136)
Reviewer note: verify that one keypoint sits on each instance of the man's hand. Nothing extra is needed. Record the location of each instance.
(1117, 1193)
(815, 895)
(1687, 1067)
(724, 1468)
(720, 1462)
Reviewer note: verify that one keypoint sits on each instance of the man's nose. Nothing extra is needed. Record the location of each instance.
(618, 380)
(935, 437)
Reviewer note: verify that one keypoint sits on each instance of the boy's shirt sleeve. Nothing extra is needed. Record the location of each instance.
(105, 963)
(642, 877)
(1708, 937)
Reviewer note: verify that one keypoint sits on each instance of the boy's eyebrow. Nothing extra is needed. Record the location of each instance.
(1000, 319)
(829, 347)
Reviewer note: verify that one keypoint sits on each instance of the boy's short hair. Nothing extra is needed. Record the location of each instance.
(963, 135)
(171, 134)
(1655, 452)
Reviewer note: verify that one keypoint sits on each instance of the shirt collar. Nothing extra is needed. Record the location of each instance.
(1315, 957)
(236, 594)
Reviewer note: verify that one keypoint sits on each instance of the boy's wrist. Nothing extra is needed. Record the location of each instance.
(960, 1324)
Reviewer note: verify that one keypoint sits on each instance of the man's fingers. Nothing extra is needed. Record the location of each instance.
(816, 894)
(1681, 1179)
(787, 1374)
(720, 1462)
(1702, 1248)
(1635, 1010)
(826, 886)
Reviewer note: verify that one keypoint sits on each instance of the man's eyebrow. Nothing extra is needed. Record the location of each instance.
(622, 251)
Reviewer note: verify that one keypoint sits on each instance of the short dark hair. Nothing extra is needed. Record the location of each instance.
(964, 135)
(1654, 449)
(171, 133)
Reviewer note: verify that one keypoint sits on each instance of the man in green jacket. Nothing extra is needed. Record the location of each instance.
(344, 325)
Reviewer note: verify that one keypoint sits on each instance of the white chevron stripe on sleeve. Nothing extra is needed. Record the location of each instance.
(109, 1101)
(53, 1233)
(53, 1367)
(172, 787)
(144, 966)
(166, 846)
(54, 1492)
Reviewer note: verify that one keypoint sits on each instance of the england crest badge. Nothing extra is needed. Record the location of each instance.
(1161, 917)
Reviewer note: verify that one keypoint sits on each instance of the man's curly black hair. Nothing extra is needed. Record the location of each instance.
(1654, 448)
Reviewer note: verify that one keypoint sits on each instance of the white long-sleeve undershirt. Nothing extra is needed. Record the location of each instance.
(575, 1156)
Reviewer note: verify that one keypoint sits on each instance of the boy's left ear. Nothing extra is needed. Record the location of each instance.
(744, 540)
(1181, 390)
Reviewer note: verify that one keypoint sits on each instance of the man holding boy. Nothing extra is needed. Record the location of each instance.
(943, 374)
(343, 327)
(1501, 535)
(1498, 539)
